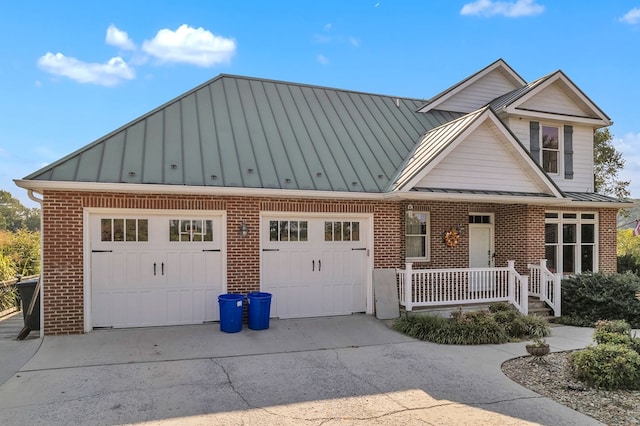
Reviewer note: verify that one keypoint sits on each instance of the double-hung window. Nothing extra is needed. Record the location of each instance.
(417, 236)
(571, 242)
(550, 143)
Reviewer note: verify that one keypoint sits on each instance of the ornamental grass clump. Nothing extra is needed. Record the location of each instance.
(499, 325)
(614, 363)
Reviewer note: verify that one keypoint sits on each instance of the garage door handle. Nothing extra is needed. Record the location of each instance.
(162, 268)
(154, 268)
(319, 265)
(313, 265)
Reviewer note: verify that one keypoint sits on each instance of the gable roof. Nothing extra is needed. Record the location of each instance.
(438, 144)
(515, 101)
(498, 67)
(235, 131)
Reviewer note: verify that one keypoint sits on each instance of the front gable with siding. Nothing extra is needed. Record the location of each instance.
(246, 184)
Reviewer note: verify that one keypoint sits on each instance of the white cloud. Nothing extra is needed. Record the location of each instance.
(118, 38)
(505, 8)
(327, 27)
(195, 46)
(632, 16)
(110, 73)
(354, 42)
(322, 59)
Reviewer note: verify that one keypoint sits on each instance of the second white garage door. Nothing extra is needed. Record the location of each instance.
(315, 266)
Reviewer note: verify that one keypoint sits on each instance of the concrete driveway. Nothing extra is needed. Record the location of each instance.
(341, 370)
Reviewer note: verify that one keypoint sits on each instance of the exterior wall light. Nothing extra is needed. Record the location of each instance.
(244, 230)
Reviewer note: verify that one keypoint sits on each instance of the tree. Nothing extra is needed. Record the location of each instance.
(607, 163)
(14, 216)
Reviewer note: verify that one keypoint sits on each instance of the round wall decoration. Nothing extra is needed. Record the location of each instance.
(451, 237)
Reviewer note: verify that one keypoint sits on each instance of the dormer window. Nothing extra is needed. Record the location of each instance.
(550, 143)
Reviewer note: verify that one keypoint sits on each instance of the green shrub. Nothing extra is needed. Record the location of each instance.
(473, 328)
(7, 297)
(607, 366)
(628, 263)
(501, 307)
(590, 297)
(613, 326)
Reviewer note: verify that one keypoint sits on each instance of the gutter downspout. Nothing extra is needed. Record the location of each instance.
(31, 195)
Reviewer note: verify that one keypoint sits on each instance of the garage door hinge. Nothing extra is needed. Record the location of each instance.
(101, 251)
(211, 250)
(270, 249)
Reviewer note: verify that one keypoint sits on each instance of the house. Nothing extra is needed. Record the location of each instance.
(245, 184)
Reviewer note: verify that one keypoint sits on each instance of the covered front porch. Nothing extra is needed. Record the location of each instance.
(436, 288)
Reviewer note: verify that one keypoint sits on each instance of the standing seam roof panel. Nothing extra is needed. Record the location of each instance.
(113, 149)
(173, 145)
(153, 166)
(212, 167)
(192, 154)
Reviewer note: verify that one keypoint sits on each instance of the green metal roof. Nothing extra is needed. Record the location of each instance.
(235, 131)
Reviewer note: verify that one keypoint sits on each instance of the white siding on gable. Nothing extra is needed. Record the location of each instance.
(479, 93)
(553, 100)
(582, 153)
(483, 161)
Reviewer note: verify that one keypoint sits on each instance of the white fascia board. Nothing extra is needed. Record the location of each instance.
(137, 188)
(459, 87)
(479, 198)
(513, 107)
(596, 122)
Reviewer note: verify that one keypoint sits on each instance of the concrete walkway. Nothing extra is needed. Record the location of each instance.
(339, 370)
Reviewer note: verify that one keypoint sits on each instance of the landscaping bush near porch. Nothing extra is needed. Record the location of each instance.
(590, 297)
(614, 363)
(500, 324)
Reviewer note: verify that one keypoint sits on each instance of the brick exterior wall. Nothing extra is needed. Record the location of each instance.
(519, 236)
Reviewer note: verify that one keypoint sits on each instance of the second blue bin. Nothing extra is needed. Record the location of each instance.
(259, 310)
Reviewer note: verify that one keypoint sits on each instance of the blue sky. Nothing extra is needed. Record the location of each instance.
(75, 70)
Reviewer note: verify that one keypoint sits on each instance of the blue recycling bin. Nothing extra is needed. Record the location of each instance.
(259, 310)
(230, 312)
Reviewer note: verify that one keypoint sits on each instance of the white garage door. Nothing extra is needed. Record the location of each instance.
(315, 266)
(155, 270)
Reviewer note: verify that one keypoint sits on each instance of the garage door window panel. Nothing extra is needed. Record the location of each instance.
(342, 231)
(124, 230)
(288, 230)
(188, 230)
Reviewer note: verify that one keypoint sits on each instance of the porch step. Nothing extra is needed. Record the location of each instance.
(539, 308)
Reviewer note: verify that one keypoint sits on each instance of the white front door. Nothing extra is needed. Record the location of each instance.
(149, 270)
(481, 251)
(315, 266)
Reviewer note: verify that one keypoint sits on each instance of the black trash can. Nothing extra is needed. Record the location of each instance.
(259, 310)
(26, 290)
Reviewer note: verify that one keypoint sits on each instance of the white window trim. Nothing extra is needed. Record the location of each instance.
(427, 237)
(578, 221)
(560, 128)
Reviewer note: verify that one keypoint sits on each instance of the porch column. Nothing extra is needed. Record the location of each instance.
(408, 284)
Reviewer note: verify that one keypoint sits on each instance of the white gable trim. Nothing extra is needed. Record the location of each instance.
(481, 119)
(461, 86)
(515, 107)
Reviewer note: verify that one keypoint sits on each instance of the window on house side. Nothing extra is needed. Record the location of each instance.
(417, 236)
(550, 148)
(571, 242)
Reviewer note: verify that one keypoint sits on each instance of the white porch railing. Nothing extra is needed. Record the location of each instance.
(458, 286)
(545, 285)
